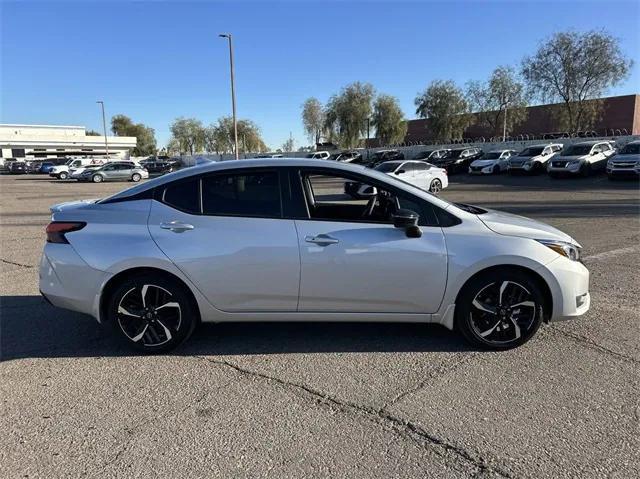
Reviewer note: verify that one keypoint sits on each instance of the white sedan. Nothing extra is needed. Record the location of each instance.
(419, 173)
(277, 240)
(492, 163)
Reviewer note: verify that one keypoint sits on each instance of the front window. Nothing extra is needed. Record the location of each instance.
(631, 149)
(532, 151)
(387, 167)
(456, 153)
(577, 150)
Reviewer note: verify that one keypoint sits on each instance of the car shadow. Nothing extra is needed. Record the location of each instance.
(31, 328)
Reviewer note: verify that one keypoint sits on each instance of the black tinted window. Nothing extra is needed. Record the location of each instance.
(183, 195)
(255, 194)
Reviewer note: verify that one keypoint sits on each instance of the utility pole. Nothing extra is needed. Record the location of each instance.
(104, 127)
(504, 125)
(233, 92)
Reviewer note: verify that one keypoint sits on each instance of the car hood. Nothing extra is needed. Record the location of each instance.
(484, 162)
(619, 157)
(526, 158)
(514, 225)
(570, 158)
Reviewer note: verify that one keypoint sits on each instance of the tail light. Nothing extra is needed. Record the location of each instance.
(57, 229)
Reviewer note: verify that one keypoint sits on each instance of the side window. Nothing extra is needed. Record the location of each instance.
(596, 149)
(605, 147)
(183, 195)
(557, 148)
(242, 194)
(420, 166)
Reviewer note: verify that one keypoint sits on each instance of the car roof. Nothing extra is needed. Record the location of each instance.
(221, 166)
(590, 143)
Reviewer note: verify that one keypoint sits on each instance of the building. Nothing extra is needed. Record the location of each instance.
(27, 142)
(620, 116)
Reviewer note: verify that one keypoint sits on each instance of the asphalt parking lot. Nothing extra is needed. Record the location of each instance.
(329, 400)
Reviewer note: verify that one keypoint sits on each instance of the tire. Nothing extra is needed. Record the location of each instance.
(136, 177)
(436, 186)
(494, 325)
(585, 170)
(97, 178)
(64, 175)
(141, 325)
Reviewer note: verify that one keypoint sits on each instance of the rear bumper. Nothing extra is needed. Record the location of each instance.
(66, 281)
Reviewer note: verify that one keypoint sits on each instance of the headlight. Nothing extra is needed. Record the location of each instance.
(568, 250)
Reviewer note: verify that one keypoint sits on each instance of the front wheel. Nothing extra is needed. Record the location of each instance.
(64, 175)
(152, 313)
(436, 186)
(500, 309)
(97, 178)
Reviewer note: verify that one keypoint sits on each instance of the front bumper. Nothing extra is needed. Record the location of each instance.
(623, 171)
(568, 168)
(66, 281)
(568, 282)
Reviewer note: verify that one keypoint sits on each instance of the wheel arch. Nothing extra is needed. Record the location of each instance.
(113, 282)
(547, 306)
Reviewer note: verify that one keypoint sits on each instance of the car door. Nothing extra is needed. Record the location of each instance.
(225, 231)
(422, 175)
(405, 172)
(355, 264)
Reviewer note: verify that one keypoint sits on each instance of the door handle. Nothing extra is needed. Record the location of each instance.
(176, 226)
(321, 240)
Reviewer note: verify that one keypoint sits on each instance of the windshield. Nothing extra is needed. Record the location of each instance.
(387, 167)
(492, 156)
(577, 150)
(533, 151)
(631, 149)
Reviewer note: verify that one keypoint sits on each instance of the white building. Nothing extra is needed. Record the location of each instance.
(28, 142)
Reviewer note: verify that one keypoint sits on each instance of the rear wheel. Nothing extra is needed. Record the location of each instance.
(436, 186)
(500, 309)
(135, 177)
(97, 178)
(152, 313)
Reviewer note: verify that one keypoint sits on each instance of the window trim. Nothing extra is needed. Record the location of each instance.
(432, 218)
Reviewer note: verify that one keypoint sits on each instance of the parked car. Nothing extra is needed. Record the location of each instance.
(270, 155)
(381, 156)
(45, 167)
(419, 173)
(33, 167)
(581, 158)
(76, 173)
(458, 159)
(319, 155)
(18, 167)
(115, 171)
(533, 159)
(626, 162)
(196, 246)
(491, 163)
(63, 172)
(432, 155)
(156, 166)
(351, 156)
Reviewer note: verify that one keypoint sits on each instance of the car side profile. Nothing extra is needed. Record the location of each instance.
(278, 240)
(533, 159)
(581, 159)
(491, 163)
(114, 171)
(419, 173)
(458, 159)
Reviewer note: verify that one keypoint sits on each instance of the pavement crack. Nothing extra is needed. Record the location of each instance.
(593, 345)
(6, 261)
(405, 429)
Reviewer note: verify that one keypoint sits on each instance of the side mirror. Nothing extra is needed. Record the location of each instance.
(369, 192)
(399, 172)
(407, 220)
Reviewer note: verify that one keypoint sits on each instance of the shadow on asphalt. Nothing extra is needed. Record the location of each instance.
(31, 328)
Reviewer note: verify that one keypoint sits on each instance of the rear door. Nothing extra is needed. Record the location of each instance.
(225, 231)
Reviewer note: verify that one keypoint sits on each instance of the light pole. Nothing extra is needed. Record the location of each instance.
(233, 92)
(104, 127)
(504, 125)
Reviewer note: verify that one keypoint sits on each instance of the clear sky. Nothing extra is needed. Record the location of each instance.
(155, 61)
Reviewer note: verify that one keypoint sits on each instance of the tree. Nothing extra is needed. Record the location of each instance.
(313, 119)
(503, 92)
(288, 145)
(219, 137)
(121, 125)
(346, 114)
(388, 120)
(93, 133)
(575, 69)
(444, 104)
(189, 133)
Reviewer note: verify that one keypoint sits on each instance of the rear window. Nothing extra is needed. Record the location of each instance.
(183, 195)
(241, 194)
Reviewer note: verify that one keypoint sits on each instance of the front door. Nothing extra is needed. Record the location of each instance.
(354, 260)
(231, 240)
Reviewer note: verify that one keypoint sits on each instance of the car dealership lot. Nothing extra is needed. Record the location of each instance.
(356, 400)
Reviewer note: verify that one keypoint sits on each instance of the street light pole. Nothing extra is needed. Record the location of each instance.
(233, 92)
(104, 127)
(504, 125)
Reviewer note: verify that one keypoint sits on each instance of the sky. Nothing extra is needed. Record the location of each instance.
(155, 61)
